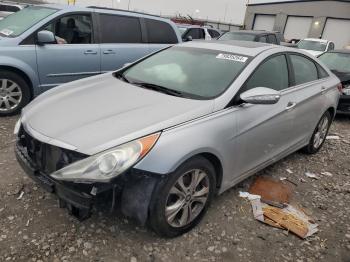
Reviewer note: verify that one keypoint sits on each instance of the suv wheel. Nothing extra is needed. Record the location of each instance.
(14, 93)
(319, 135)
(181, 200)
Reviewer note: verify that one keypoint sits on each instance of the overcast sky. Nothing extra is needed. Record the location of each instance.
(220, 10)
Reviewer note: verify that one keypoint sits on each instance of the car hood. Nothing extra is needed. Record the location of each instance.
(98, 113)
(312, 52)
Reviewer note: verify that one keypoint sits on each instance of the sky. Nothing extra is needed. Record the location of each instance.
(230, 11)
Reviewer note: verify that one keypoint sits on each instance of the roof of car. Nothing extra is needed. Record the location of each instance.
(248, 48)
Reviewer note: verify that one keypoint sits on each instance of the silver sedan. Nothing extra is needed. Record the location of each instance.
(170, 131)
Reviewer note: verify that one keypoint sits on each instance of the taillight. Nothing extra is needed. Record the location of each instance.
(340, 87)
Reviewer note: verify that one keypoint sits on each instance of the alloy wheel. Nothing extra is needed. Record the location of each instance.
(321, 132)
(10, 95)
(187, 198)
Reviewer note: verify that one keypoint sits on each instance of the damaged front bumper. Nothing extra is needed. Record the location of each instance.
(134, 188)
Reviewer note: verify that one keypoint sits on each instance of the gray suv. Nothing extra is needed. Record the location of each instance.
(48, 45)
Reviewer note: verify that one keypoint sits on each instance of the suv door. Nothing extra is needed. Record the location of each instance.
(306, 93)
(159, 34)
(121, 41)
(264, 131)
(74, 56)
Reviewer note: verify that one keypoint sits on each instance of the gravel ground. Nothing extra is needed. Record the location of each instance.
(33, 228)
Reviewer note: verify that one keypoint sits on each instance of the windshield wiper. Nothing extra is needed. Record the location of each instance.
(161, 89)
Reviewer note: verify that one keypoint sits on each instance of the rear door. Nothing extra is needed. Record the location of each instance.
(159, 34)
(264, 131)
(121, 40)
(306, 94)
(76, 55)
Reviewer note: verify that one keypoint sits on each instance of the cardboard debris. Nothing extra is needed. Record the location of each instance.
(271, 190)
(265, 194)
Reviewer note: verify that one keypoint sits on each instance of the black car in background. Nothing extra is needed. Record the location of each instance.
(338, 61)
(270, 37)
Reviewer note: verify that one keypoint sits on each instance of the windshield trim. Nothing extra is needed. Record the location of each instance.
(192, 96)
(15, 36)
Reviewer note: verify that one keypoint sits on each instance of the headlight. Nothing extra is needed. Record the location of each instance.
(108, 164)
(17, 127)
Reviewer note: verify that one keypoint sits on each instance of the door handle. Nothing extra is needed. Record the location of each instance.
(290, 105)
(323, 90)
(108, 52)
(90, 52)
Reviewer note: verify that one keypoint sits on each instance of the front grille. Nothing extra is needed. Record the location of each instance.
(45, 157)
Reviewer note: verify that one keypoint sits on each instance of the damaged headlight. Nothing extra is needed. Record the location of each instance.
(108, 164)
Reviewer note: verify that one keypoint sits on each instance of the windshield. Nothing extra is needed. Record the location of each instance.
(17, 23)
(194, 72)
(336, 61)
(312, 45)
(237, 36)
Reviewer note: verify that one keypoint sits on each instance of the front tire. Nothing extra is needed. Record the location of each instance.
(14, 93)
(180, 200)
(320, 133)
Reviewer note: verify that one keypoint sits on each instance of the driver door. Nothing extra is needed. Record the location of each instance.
(74, 56)
(265, 131)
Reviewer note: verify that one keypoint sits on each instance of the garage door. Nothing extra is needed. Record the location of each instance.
(264, 22)
(297, 27)
(338, 31)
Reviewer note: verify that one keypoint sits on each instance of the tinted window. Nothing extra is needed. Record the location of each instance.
(272, 39)
(9, 8)
(304, 69)
(181, 69)
(195, 33)
(120, 29)
(312, 45)
(263, 39)
(213, 33)
(321, 72)
(160, 32)
(72, 29)
(331, 46)
(271, 74)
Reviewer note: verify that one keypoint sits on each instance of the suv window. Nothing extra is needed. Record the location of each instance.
(213, 33)
(263, 39)
(160, 32)
(120, 29)
(195, 33)
(272, 39)
(273, 74)
(72, 29)
(304, 69)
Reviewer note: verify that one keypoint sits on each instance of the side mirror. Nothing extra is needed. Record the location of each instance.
(46, 37)
(187, 39)
(261, 96)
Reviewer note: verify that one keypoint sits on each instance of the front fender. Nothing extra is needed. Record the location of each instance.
(28, 68)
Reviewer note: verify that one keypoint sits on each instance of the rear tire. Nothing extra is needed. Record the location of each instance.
(319, 135)
(180, 200)
(14, 93)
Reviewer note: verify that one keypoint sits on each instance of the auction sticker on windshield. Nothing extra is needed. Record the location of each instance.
(6, 32)
(236, 58)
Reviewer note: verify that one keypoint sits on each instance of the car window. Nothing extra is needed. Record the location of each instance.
(304, 69)
(120, 29)
(273, 74)
(336, 61)
(19, 22)
(331, 46)
(72, 29)
(195, 33)
(272, 39)
(312, 45)
(181, 69)
(160, 32)
(237, 36)
(213, 33)
(9, 8)
(321, 72)
(263, 39)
